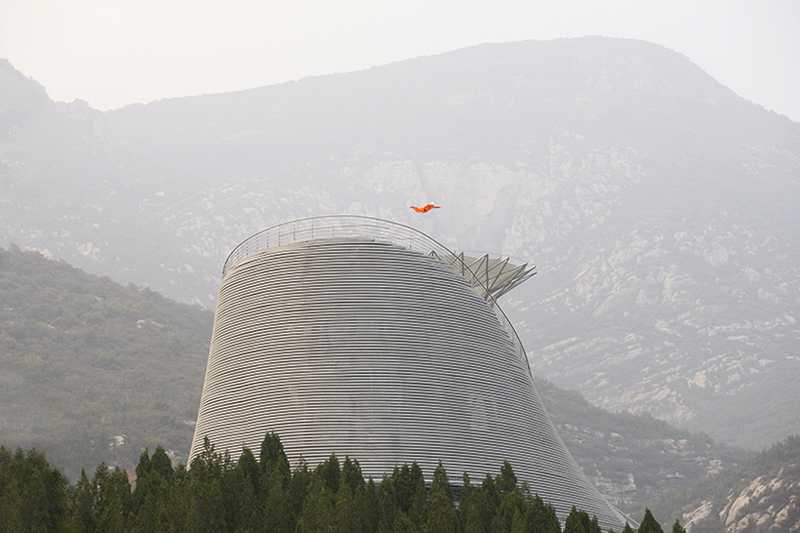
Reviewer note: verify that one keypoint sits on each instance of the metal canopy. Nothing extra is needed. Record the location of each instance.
(491, 276)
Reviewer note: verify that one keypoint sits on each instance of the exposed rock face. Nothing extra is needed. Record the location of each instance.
(766, 504)
(659, 205)
(759, 496)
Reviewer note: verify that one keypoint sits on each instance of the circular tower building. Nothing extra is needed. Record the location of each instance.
(368, 338)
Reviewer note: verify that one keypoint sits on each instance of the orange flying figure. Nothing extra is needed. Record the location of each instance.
(425, 208)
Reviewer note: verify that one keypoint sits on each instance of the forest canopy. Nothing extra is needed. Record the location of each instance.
(264, 494)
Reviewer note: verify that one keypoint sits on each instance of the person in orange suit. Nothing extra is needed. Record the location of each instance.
(425, 208)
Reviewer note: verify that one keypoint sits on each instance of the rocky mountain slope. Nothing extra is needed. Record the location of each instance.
(94, 371)
(761, 495)
(659, 206)
(636, 460)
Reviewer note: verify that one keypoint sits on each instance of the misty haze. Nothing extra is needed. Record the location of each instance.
(662, 326)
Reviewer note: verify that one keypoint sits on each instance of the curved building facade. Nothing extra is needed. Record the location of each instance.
(370, 339)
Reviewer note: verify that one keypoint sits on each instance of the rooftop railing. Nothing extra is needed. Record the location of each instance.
(379, 230)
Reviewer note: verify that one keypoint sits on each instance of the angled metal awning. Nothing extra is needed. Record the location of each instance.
(492, 276)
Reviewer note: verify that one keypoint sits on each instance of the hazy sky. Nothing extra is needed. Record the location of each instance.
(112, 53)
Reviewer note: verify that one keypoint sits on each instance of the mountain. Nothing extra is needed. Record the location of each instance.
(94, 371)
(638, 461)
(762, 495)
(659, 205)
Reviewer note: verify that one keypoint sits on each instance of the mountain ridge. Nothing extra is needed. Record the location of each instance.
(6, 63)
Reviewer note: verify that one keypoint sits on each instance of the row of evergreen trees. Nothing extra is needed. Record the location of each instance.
(217, 494)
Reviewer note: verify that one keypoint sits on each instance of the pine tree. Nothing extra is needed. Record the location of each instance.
(442, 513)
(33, 492)
(403, 524)
(406, 482)
(586, 522)
(368, 507)
(277, 515)
(574, 522)
(351, 474)
(83, 503)
(243, 493)
(297, 492)
(677, 527)
(177, 508)
(519, 522)
(441, 481)
(113, 499)
(206, 503)
(318, 511)
(478, 510)
(535, 512)
(244, 506)
(507, 481)
(330, 473)
(273, 454)
(649, 524)
(475, 513)
(552, 524)
(146, 517)
(250, 469)
(387, 505)
(58, 493)
(418, 504)
(466, 487)
(489, 489)
(161, 464)
(347, 518)
(209, 506)
(627, 528)
(230, 482)
(144, 467)
(144, 503)
(511, 503)
(11, 518)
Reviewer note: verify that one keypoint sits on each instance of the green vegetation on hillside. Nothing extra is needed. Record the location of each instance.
(92, 370)
(217, 494)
